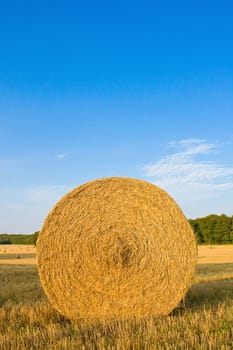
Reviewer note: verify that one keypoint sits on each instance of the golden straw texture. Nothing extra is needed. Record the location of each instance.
(116, 247)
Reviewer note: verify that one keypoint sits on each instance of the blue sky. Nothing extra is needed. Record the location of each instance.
(129, 88)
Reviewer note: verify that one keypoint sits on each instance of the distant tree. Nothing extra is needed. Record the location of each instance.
(213, 229)
(223, 229)
(231, 229)
(207, 227)
(197, 231)
(6, 241)
(35, 237)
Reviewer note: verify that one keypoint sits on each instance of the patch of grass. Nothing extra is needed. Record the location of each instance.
(17, 256)
(20, 284)
(214, 269)
(28, 321)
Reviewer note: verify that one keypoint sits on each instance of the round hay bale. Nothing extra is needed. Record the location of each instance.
(116, 247)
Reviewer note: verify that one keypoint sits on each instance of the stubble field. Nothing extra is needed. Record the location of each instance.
(203, 321)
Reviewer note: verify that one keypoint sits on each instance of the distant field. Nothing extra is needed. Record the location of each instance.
(17, 249)
(26, 254)
(215, 254)
(14, 254)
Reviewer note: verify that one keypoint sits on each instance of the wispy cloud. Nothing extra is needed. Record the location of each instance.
(189, 171)
(61, 156)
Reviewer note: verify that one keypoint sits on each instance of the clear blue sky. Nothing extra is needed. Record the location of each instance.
(91, 89)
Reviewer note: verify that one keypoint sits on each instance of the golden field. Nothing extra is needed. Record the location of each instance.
(204, 320)
(17, 254)
(26, 254)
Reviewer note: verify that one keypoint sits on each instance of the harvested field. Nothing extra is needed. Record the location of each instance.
(13, 254)
(17, 249)
(215, 254)
(207, 254)
(28, 320)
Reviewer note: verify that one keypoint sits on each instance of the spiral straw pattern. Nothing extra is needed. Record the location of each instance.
(116, 247)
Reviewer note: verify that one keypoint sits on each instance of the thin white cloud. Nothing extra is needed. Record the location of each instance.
(189, 171)
(184, 168)
(61, 156)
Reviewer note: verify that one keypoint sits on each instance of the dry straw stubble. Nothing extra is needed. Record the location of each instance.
(116, 247)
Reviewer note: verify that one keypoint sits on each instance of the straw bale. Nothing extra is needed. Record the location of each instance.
(116, 247)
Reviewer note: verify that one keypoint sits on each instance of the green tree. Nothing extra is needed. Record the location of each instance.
(213, 229)
(197, 231)
(223, 229)
(5, 241)
(35, 237)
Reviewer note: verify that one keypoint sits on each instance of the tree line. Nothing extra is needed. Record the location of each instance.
(18, 238)
(213, 229)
